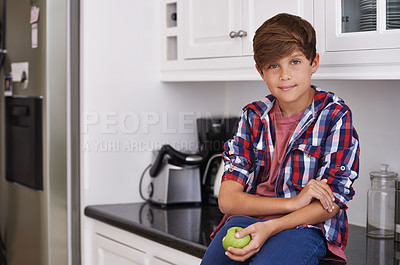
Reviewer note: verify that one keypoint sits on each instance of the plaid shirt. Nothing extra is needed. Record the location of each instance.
(324, 145)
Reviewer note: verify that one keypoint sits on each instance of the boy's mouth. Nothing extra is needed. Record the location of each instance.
(287, 88)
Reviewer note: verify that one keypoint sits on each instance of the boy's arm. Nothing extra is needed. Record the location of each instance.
(311, 214)
(232, 199)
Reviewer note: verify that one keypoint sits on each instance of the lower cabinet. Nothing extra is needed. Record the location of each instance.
(113, 252)
(113, 246)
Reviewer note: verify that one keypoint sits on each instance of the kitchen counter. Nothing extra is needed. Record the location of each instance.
(187, 228)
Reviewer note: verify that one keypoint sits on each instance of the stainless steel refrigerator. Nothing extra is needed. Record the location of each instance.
(39, 192)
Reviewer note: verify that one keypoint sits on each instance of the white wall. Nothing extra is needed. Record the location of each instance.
(375, 106)
(123, 102)
(120, 68)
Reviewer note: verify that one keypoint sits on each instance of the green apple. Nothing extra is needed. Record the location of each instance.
(231, 241)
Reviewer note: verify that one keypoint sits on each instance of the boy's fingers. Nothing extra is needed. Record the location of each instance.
(325, 201)
(242, 233)
(326, 187)
(324, 194)
(232, 254)
(241, 254)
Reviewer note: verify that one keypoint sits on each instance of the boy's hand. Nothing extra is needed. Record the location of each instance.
(315, 189)
(259, 233)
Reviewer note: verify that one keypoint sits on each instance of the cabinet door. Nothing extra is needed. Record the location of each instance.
(158, 261)
(255, 12)
(110, 252)
(362, 24)
(207, 26)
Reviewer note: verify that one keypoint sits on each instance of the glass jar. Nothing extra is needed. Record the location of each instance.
(381, 203)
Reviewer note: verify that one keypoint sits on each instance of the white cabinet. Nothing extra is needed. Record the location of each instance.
(108, 245)
(225, 28)
(361, 25)
(212, 40)
(203, 37)
(358, 39)
(112, 252)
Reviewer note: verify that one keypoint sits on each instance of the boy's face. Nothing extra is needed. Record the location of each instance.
(289, 80)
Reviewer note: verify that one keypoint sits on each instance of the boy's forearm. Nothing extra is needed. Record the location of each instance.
(232, 200)
(312, 214)
(254, 205)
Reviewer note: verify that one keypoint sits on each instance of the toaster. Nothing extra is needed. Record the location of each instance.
(174, 178)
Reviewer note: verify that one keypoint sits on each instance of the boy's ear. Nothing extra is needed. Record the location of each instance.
(260, 72)
(315, 64)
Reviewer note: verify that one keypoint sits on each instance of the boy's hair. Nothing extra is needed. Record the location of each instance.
(280, 36)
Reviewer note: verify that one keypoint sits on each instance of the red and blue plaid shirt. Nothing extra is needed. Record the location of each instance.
(324, 145)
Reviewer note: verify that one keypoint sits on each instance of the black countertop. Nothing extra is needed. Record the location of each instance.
(187, 228)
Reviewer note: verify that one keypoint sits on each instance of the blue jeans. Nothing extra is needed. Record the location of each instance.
(292, 247)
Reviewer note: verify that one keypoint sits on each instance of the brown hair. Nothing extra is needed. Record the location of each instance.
(280, 36)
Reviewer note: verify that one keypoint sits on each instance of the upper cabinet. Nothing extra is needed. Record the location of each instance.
(225, 28)
(205, 40)
(358, 39)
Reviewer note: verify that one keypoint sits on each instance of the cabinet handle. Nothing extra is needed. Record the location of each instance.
(233, 34)
(242, 33)
(173, 16)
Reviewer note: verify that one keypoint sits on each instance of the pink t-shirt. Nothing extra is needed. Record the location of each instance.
(284, 128)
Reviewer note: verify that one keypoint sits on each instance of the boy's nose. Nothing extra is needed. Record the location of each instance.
(285, 75)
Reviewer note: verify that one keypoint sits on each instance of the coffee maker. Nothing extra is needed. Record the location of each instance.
(212, 135)
(177, 177)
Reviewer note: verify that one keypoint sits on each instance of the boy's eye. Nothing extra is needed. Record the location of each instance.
(273, 66)
(295, 61)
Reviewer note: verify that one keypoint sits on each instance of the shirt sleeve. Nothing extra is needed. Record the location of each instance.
(238, 152)
(340, 160)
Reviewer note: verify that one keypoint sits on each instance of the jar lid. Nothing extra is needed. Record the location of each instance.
(383, 173)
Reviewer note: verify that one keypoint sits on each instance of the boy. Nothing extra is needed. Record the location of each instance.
(290, 167)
